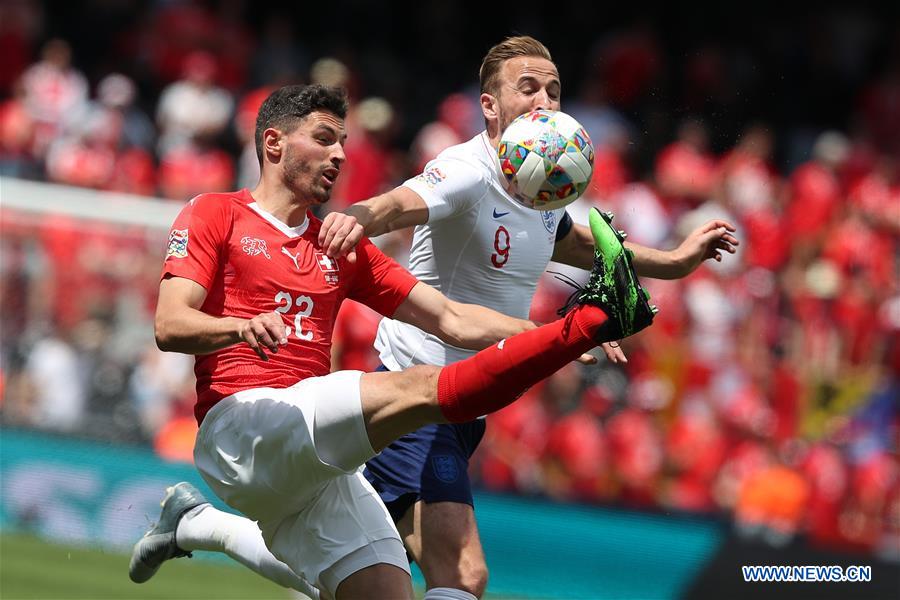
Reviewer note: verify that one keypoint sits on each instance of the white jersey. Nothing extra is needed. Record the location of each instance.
(479, 246)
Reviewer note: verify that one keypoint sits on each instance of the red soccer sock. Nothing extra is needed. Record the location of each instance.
(498, 375)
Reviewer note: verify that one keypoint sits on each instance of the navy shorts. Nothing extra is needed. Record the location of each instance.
(430, 464)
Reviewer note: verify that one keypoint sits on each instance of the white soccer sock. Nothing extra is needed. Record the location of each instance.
(445, 593)
(207, 528)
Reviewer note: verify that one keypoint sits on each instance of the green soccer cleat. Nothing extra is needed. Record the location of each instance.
(613, 285)
(158, 544)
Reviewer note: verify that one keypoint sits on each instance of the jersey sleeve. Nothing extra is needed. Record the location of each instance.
(448, 186)
(379, 282)
(197, 239)
(565, 226)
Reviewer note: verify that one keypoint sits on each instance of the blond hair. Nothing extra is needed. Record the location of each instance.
(511, 47)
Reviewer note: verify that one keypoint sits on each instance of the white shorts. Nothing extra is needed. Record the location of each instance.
(289, 459)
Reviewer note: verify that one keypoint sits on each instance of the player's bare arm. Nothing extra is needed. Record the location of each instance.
(467, 326)
(397, 209)
(463, 325)
(706, 242)
(181, 326)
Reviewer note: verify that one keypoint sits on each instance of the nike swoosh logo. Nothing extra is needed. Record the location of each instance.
(498, 215)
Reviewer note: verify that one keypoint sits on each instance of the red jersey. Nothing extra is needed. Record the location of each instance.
(249, 262)
(354, 334)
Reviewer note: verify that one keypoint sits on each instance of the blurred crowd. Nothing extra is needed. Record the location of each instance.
(768, 387)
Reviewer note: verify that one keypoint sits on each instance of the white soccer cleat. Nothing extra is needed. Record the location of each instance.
(158, 544)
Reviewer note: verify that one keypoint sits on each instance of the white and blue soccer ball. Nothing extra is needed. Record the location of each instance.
(546, 159)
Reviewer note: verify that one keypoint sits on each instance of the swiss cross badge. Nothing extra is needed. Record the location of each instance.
(329, 267)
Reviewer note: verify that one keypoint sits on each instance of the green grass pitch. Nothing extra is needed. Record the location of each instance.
(33, 568)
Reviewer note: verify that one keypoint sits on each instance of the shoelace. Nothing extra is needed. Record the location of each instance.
(572, 300)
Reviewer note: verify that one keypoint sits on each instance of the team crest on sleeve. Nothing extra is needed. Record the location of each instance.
(431, 176)
(549, 218)
(329, 267)
(178, 242)
(255, 246)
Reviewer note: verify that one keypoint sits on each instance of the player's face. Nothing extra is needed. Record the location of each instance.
(313, 155)
(527, 83)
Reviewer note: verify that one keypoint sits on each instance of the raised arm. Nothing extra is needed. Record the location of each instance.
(180, 325)
(462, 325)
(706, 242)
(397, 209)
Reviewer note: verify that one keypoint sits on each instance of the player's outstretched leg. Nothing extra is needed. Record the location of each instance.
(611, 306)
(613, 284)
(211, 530)
(158, 544)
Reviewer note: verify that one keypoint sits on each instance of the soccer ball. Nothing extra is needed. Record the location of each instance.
(546, 159)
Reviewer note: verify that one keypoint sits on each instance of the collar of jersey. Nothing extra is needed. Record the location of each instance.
(291, 232)
(490, 150)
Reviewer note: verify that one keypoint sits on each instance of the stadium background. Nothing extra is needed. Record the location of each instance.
(756, 422)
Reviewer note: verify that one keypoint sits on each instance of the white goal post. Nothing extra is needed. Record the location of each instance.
(36, 198)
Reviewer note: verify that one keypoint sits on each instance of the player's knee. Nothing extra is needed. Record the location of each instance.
(465, 573)
(474, 578)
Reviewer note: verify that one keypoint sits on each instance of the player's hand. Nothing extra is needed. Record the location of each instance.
(339, 235)
(263, 332)
(614, 353)
(706, 242)
(587, 359)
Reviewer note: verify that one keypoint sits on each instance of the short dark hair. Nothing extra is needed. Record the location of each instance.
(511, 47)
(288, 105)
